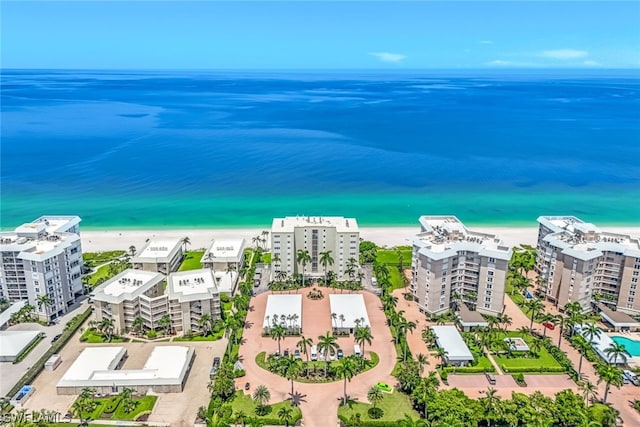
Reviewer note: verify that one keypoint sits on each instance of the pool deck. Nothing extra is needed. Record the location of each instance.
(634, 361)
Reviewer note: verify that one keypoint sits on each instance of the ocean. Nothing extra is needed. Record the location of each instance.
(173, 149)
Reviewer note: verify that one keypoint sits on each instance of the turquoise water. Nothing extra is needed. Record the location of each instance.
(632, 346)
(202, 149)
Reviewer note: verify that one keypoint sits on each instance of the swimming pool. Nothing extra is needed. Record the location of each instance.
(632, 346)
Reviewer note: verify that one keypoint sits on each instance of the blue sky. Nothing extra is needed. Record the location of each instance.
(320, 35)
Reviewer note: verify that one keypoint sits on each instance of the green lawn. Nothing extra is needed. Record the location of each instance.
(91, 259)
(214, 337)
(266, 258)
(390, 256)
(191, 261)
(395, 278)
(102, 272)
(394, 406)
(145, 403)
(93, 337)
(245, 404)
(519, 363)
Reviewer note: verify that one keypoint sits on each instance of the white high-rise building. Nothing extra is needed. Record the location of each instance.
(43, 257)
(576, 260)
(452, 264)
(338, 236)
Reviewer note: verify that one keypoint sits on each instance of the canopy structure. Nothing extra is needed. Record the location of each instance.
(350, 312)
(449, 339)
(12, 343)
(284, 310)
(618, 319)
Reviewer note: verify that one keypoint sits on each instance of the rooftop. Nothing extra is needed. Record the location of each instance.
(444, 236)
(15, 307)
(592, 244)
(127, 285)
(449, 339)
(191, 285)
(35, 244)
(470, 318)
(58, 223)
(352, 307)
(279, 305)
(341, 224)
(94, 359)
(230, 250)
(617, 318)
(13, 342)
(158, 249)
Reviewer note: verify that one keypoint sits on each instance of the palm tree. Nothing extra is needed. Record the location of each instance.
(407, 421)
(617, 350)
(588, 389)
(327, 344)
(326, 260)
(264, 234)
(290, 368)
(610, 375)
(442, 354)
(285, 415)
(46, 301)
(185, 241)
(138, 325)
(346, 369)
(590, 331)
(165, 323)
(132, 250)
(422, 361)
(303, 258)
(261, 395)
(491, 404)
(304, 344)
(205, 324)
(334, 317)
(535, 307)
(363, 335)
(278, 332)
(547, 318)
(401, 328)
(562, 322)
(582, 346)
(106, 327)
(374, 395)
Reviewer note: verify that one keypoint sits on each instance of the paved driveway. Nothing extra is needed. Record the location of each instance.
(319, 402)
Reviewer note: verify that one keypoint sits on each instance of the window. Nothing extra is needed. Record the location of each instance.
(492, 260)
(490, 273)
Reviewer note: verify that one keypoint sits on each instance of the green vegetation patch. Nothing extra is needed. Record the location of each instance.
(391, 256)
(102, 273)
(394, 407)
(105, 404)
(191, 261)
(243, 403)
(213, 337)
(92, 259)
(143, 404)
(92, 336)
(266, 258)
(523, 361)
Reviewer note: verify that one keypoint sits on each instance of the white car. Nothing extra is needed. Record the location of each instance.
(332, 356)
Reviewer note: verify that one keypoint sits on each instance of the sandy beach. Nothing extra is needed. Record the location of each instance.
(105, 240)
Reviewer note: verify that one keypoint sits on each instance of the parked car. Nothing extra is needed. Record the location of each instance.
(632, 377)
(276, 354)
(216, 361)
(340, 354)
(548, 325)
(247, 386)
(332, 355)
(56, 338)
(286, 353)
(296, 354)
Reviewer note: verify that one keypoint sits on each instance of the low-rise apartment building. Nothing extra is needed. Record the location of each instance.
(42, 258)
(160, 255)
(184, 296)
(452, 264)
(576, 261)
(338, 236)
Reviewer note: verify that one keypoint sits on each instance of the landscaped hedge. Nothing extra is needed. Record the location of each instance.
(24, 353)
(112, 404)
(528, 369)
(561, 358)
(70, 328)
(468, 369)
(365, 423)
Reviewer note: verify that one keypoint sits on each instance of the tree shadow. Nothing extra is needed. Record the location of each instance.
(252, 308)
(297, 398)
(350, 401)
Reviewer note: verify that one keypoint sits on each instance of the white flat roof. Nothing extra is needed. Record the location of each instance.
(289, 223)
(13, 342)
(449, 339)
(93, 359)
(159, 248)
(225, 280)
(5, 316)
(351, 306)
(127, 285)
(58, 223)
(283, 304)
(600, 344)
(165, 365)
(228, 250)
(192, 284)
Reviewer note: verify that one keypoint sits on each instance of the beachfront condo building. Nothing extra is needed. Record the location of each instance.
(182, 297)
(159, 255)
(576, 261)
(39, 258)
(226, 258)
(337, 236)
(453, 265)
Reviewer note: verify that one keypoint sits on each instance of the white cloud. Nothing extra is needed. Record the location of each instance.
(564, 54)
(388, 56)
(500, 62)
(486, 42)
(591, 63)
